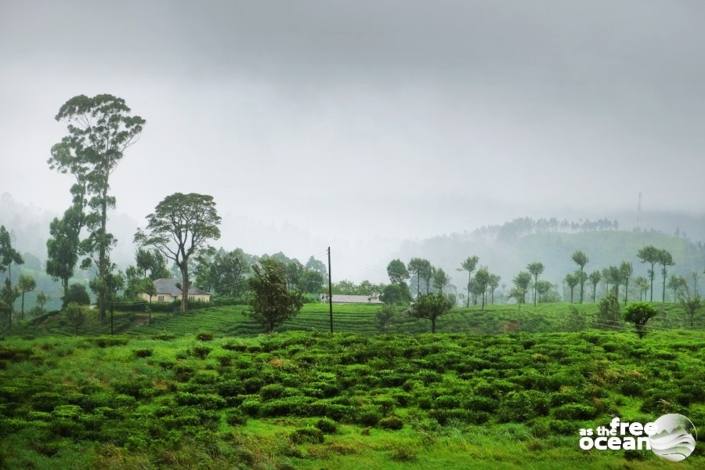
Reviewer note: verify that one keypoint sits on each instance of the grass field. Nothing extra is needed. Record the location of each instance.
(494, 389)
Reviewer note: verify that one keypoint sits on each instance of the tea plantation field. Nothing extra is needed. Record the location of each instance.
(351, 318)
(158, 398)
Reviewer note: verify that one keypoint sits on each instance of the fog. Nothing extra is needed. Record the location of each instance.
(362, 124)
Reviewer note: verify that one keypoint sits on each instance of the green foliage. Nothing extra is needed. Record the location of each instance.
(430, 307)
(272, 303)
(180, 226)
(640, 313)
(78, 294)
(99, 130)
(395, 294)
(75, 315)
(609, 313)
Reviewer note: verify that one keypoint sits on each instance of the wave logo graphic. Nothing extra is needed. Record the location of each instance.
(674, 437)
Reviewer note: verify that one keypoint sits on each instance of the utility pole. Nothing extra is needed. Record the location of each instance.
(330, 293)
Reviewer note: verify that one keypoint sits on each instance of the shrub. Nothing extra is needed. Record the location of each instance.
(307, 436)
(204, 336)
(391, 422)
(522, 406)
(143, 352)
(78, 294)
(368, 416)
(271, 391)
(200, 352)
(236, 418)
(327, 425)
(203, 400)
(575, 411)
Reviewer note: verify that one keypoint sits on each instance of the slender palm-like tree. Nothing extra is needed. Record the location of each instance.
(581, 260)
(469, 265)
(535, 269)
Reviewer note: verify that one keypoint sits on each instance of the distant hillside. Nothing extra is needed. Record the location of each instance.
(507, 249)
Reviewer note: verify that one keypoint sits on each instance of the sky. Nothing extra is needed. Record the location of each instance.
(360, 124)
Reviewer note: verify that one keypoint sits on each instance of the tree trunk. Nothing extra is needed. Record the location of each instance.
(467, 301)
(483, 301)
(184, 288)
(651, 278)
(626, 291)
(102, 254)
(582, 285)
(22, 308)
(571, 294)
(66, 291)
(433, 324)
(663, 292)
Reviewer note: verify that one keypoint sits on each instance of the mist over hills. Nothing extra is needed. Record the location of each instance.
(505, 248)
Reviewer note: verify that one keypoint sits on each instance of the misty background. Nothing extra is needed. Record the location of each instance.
(379, 128)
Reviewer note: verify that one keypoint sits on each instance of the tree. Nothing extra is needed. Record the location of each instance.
(179, 227)
(396, 270)
(643, 285)
(572, 280)
(581, 260)
(100, 129)
(395, 294)
(595, 277)
(385, 316)
(625, 273)
(494, 283)
(608, 315)
(640, 313)
(318, 266)
(431, 307)
(650, 255)
(543, 288)
(63, 246)
(40, 303)
(418, 268)
(25, 284)
(535, 269)
(8, 257)
(664, 259)
(225, 272)
(427, 274)
(691, 304)
(469, 265)
(151, 264)
(676, 284)
(272, 302)
(440, 280)
(613, 275)
(75, 316)
(482, 279)
(77, 294)
(521, 284)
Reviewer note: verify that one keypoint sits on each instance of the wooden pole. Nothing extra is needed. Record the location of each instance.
(330, 293)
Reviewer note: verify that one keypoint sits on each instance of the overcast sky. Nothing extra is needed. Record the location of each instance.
(359, 123)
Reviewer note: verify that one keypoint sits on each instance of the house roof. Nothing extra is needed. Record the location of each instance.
(169, 286)
(354, 299)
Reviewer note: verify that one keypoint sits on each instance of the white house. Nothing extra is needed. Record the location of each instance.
(353, 299)
(168, 291)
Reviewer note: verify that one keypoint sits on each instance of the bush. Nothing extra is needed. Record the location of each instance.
(575, 411)
(204, 336)
(143, 352)
(307, 436)
(522, 406)
(391, 422)
(236, 418)
(327, 426)
(368, 416)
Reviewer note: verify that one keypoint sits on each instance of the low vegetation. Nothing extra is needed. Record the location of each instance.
(307, 400)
